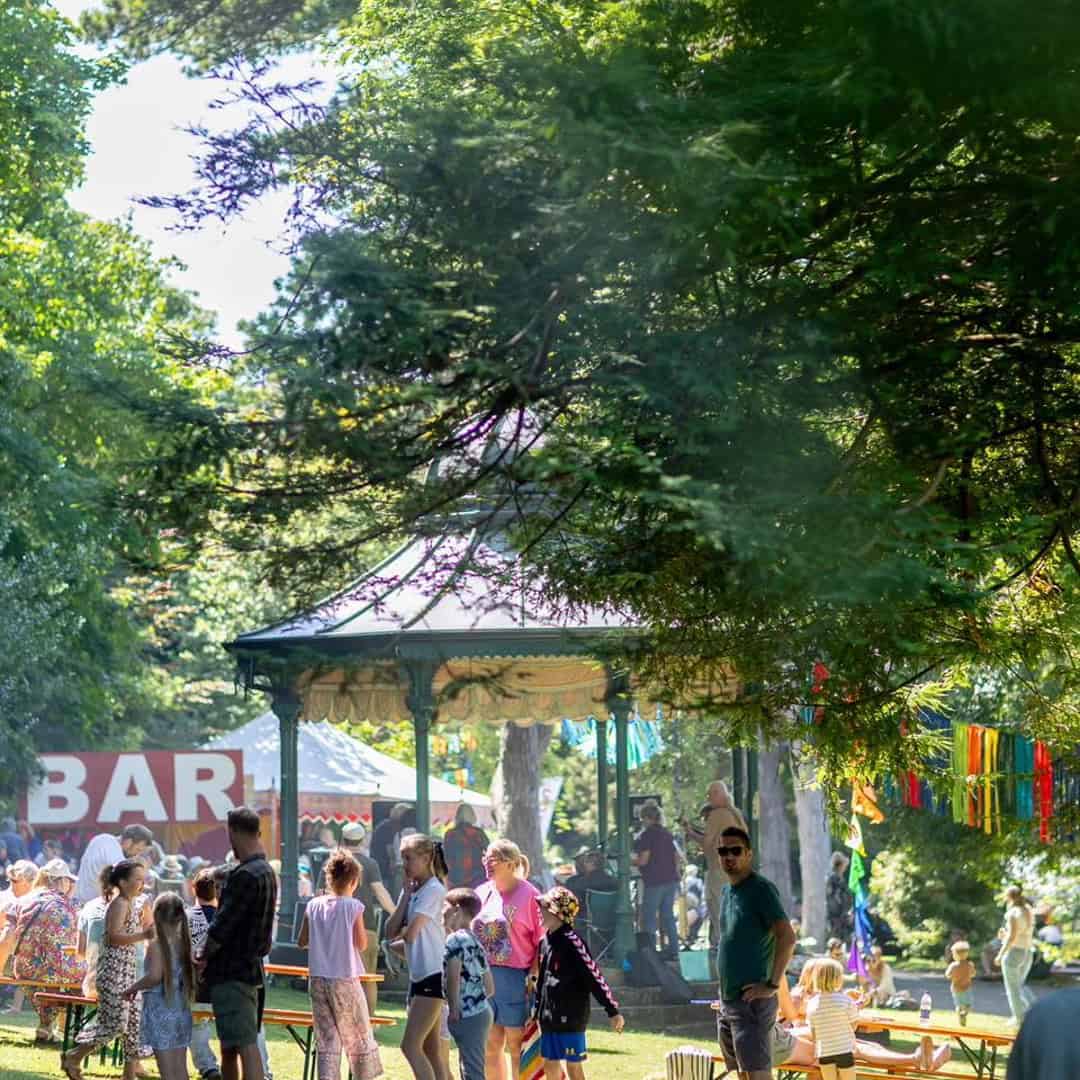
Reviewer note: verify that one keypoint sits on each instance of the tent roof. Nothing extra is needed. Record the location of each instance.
(332, 762)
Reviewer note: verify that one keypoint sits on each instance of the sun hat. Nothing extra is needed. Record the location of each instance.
(561, 902)
(57, 868)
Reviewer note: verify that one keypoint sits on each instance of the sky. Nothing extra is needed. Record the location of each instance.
(139, 148)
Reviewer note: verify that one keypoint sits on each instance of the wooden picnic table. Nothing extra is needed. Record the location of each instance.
(297, 971)
(980, 1047)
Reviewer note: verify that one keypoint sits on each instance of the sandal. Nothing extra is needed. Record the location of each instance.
(72, 1072)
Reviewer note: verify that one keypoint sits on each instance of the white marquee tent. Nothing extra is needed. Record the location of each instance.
(340, 777)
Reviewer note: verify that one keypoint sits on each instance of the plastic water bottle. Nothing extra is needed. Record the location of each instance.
(926, 1003)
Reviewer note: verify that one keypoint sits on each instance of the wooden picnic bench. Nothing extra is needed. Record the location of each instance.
(982, 1058)
(866, 1072)
(301, 1028)
(297, 1022)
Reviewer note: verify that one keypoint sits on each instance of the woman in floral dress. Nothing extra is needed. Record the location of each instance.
(117, 970)
(47, 920)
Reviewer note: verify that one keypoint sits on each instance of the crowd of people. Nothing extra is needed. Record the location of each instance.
(485, 949)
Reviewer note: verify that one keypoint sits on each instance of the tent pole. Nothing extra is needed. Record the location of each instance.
(286, 706)
(601, 784)
(421, 702)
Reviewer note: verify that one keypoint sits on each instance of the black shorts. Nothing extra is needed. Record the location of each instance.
(431, 987)
(841, 1061)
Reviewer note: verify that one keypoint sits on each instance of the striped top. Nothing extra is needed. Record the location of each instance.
(832, 1022)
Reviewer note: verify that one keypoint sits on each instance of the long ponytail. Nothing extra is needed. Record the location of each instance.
(426, 845)
(509, 852)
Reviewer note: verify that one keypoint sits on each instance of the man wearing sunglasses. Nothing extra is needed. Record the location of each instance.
(756, 943)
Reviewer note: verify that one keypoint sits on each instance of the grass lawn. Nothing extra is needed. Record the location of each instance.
(630, 1056)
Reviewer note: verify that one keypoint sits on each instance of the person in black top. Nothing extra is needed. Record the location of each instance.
(385, 845)
(568, 975)
(238, 939)
(592, 876)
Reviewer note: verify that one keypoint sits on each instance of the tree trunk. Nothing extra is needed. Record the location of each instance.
(515, 790)
(774, 828)
(814, 843)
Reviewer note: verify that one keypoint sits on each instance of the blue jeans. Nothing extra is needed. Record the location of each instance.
(659, 901)
(1015, 967)
(201, 1053)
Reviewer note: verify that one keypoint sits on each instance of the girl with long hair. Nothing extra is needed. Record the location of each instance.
(168, 988)
(333, 932)
(418, 920)
(510, 929)
(116, 971)
(1017, 951)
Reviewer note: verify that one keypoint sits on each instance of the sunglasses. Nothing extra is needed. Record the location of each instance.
(736, 850)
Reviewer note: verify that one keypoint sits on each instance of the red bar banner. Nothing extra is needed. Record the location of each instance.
(154, 787)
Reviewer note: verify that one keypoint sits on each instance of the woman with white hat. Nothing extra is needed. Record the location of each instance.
(41, 940)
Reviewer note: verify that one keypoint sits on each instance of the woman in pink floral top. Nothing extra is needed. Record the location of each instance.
(510, 929)
(47, 921)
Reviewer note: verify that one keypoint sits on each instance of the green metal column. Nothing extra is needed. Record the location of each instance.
(421, 702)
(619, 704)
(738, 791)
(601, 783)
(286, 705)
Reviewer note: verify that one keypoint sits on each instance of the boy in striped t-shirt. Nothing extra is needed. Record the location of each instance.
(832, 1015)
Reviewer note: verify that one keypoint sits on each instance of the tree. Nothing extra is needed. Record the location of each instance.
(791, 290)
(516, 789)
(774, 830)
(84, 314)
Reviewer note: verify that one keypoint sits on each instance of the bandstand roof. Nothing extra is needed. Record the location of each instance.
(460, 600)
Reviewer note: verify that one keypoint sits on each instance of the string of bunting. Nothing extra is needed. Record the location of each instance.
(994, 774)
(459, 746)
(643, 740)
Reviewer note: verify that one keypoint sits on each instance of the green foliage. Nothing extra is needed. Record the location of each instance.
(213, 31)
(85, 315)
(931, 877)
(792, 291)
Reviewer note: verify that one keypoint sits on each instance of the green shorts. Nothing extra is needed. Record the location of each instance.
(238, 1008)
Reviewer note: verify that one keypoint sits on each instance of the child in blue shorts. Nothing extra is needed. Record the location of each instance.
(568, 975)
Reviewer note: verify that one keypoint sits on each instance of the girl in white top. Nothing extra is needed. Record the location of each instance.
(334, 935)
(832, 1016)
(419, 915)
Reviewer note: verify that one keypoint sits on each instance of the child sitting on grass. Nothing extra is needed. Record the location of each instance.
(961, 975)
(568, 975)
(883, 988)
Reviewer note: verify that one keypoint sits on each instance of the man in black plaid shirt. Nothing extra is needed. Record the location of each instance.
(240, 936)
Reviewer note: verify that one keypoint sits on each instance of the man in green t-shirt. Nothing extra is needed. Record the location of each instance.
(756, 943)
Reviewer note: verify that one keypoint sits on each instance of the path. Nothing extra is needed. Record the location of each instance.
(989, 994)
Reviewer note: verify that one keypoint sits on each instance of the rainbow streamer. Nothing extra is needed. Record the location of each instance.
(530, 1064)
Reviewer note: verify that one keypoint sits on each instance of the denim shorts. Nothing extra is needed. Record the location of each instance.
(746, 1033)
(963, 999)
(509, 1003)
